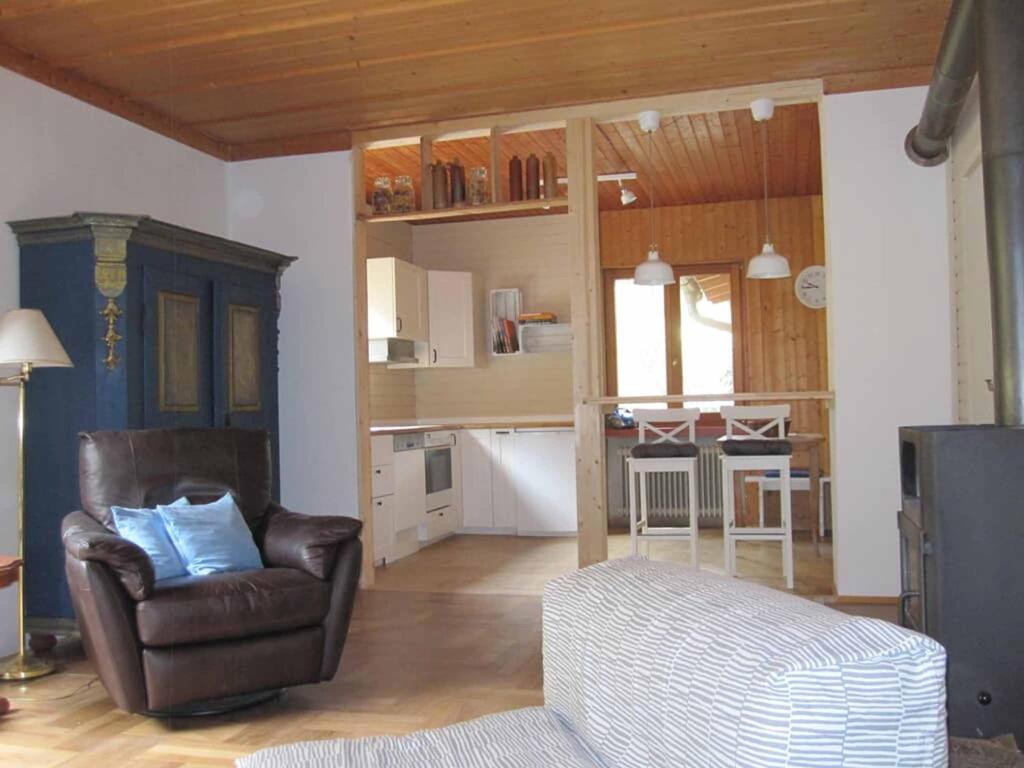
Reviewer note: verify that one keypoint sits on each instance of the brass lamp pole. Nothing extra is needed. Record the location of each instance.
(26, 339)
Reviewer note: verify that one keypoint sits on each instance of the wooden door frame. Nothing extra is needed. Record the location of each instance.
(589, 369)
(672, 320)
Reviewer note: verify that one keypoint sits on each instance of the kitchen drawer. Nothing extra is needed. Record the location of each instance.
(381, 450)
(383, 528)
(383, 480)
(439, 522)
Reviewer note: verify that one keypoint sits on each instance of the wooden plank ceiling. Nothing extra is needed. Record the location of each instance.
(705, 158)
(248, 78)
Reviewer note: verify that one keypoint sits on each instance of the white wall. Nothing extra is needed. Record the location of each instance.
(58, 156)
(890, 319)
(302, 206)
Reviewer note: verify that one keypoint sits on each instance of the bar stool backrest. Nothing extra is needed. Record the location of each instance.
(667, 424)
(767, 418)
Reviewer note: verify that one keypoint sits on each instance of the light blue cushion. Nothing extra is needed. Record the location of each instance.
(211, 538)
(145, 528)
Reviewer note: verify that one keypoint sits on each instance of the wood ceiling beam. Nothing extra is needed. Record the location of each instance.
(96, 95)
(334, 141)
(241, 32)
(878, 79)
(615, 29)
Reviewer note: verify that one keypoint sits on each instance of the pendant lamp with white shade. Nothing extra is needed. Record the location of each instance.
(653, 271)
(767, 265)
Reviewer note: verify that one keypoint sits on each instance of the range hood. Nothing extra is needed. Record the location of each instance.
(392, 351)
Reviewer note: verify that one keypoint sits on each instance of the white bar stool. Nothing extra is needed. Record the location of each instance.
(755, 439)
(666, 453)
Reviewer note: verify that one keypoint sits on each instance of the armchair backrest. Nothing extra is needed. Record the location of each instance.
(143, 468)
(653, 664)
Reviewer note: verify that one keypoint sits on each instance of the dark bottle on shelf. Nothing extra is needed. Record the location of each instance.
(458, 186)
(515, 178)
(440, 181)
(532, 178)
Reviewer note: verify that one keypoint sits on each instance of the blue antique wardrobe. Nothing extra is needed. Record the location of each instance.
(165, 326)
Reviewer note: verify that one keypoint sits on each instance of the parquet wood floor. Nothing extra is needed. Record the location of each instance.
(450, 633)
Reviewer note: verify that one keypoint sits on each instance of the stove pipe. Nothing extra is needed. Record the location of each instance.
(990, 35)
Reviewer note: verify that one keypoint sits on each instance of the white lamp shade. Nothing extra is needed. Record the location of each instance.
(768, 265)
(654, 271)
(26, 337)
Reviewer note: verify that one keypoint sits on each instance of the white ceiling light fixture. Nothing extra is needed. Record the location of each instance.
(653, 271)
(626, 195)
(767, 265)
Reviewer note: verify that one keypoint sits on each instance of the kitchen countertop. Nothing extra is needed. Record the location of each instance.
(405, 429)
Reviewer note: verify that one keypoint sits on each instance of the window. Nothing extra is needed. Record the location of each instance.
(684, 337)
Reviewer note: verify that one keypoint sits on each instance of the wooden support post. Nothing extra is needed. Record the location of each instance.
(497, 193)
(362, 367)
(586, 295)
(426, 175)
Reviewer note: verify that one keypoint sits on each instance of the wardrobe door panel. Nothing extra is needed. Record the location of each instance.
(177, 350)
(247, 377)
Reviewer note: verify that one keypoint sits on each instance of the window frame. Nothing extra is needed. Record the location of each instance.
(673, 326)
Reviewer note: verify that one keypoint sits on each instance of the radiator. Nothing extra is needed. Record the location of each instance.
(667, 492)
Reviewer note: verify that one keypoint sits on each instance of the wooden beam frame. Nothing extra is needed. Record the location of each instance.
(587, 287)
(364, 459)
(789, 92)
(588, 371)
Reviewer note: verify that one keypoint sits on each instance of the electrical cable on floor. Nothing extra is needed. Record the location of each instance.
(78, 690)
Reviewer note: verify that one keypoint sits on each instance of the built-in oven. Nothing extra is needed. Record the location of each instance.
(438, 452)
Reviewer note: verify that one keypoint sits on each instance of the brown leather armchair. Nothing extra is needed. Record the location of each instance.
(204, 643)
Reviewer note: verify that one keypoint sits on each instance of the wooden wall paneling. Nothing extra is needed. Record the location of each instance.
(529, 254)
(362, 367)
(588, 342)
(785, 346)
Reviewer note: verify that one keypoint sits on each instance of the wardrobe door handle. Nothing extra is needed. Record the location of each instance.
(398, 325)
(435, 356)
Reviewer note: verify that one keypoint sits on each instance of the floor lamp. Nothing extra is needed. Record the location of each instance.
(27, 341)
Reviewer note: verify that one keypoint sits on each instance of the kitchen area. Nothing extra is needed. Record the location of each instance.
(470, 382)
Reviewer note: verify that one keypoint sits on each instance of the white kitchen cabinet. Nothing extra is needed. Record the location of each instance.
(504, 477)
(545, 480)
(410, 497)
(383, 511)
(450, 302)
(477, 509)
(396, 293)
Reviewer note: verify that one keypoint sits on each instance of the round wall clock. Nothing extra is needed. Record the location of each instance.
(810, 286)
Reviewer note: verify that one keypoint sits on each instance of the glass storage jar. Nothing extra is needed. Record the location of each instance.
(383, 197)
(404, 199)
(479, 189)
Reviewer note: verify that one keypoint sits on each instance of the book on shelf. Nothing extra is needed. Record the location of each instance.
(506, 340)
(538, 318)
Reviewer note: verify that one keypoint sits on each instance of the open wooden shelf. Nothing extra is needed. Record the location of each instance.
(478, 212)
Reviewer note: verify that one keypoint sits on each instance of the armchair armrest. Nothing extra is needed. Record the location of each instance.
(86, 539)
(305, 542)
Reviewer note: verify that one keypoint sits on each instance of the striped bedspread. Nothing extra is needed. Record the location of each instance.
(650, 665)
(657, 665)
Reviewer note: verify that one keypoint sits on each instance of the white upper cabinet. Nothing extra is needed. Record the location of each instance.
(450, 298)
(396, 293)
